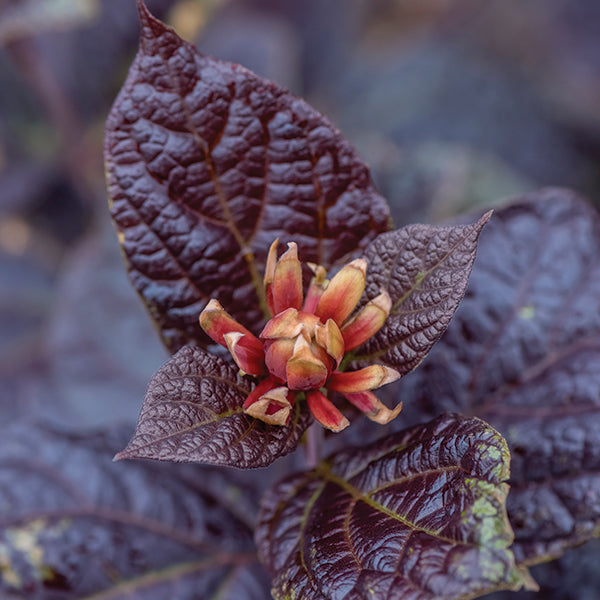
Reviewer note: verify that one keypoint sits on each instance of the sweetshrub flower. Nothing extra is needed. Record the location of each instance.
(301, 347)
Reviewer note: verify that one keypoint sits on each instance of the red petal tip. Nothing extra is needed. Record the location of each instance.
(367, 322)
(362, 380)
(343, 292)
(287, 281)
(325, 412)
(248, 352)
(375, 410)
(273, 407)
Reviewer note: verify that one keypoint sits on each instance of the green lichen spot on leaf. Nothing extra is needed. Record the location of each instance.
(491, 451)
(492, 569)
(483, 507)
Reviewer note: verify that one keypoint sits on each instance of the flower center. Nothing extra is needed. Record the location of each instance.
(300, 350)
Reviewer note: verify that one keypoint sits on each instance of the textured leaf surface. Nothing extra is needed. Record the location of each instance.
(192, 412)
(207, 164)
(419, 515)
(74, 524)
(523, 353)
(425, 269)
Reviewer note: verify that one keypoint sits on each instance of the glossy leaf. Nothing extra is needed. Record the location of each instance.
(192, 412)
(75, 525)
(425, 270)
(523, 353)
(418, 515)
(207, 164)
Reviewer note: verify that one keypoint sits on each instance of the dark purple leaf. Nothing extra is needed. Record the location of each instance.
(523, 353)
(192, 412)
(419, 515)
(425, 269)
(207, 164)
(75, 524)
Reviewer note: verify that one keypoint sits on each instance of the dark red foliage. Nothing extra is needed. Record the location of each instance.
(207, 164)
(192, 412)
(417, 515)
(523, 353)
(75, 524)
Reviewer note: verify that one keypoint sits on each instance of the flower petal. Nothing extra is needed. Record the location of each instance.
(329, 336)
(343, 292)
(287, 281)
(288, 324)
(217, 322)
(270, 274)
(368, 378)
(270, 403)
(317, 286)
(248, 353)
(304, 371)
(262, 388)
(367, 322)
(277, 354)
(375, 410)
(325, 412)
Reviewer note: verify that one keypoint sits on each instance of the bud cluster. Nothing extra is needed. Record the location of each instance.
(301, 347)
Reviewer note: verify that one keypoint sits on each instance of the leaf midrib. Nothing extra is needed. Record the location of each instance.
(324, 472)
(470, 229)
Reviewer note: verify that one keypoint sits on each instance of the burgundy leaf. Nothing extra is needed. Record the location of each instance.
(523, 353)
(207, 164)
(425, 270)
(74, 524)
(192, 412)
(419, 515)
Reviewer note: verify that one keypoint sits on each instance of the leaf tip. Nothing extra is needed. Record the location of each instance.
(484, 219)
(149, 22)
(142, 10)
(119, 456)
(529, 583)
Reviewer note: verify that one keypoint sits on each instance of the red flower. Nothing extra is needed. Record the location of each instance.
(300, 349)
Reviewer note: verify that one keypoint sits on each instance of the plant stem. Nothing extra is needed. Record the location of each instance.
(314, 444)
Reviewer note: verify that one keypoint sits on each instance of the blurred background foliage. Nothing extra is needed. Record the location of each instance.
(453, 103)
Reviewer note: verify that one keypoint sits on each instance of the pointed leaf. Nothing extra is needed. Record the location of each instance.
(193, 412)
(523, 353)
(417, 515)
(425, 270)
(207, 164)
(74, 524)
